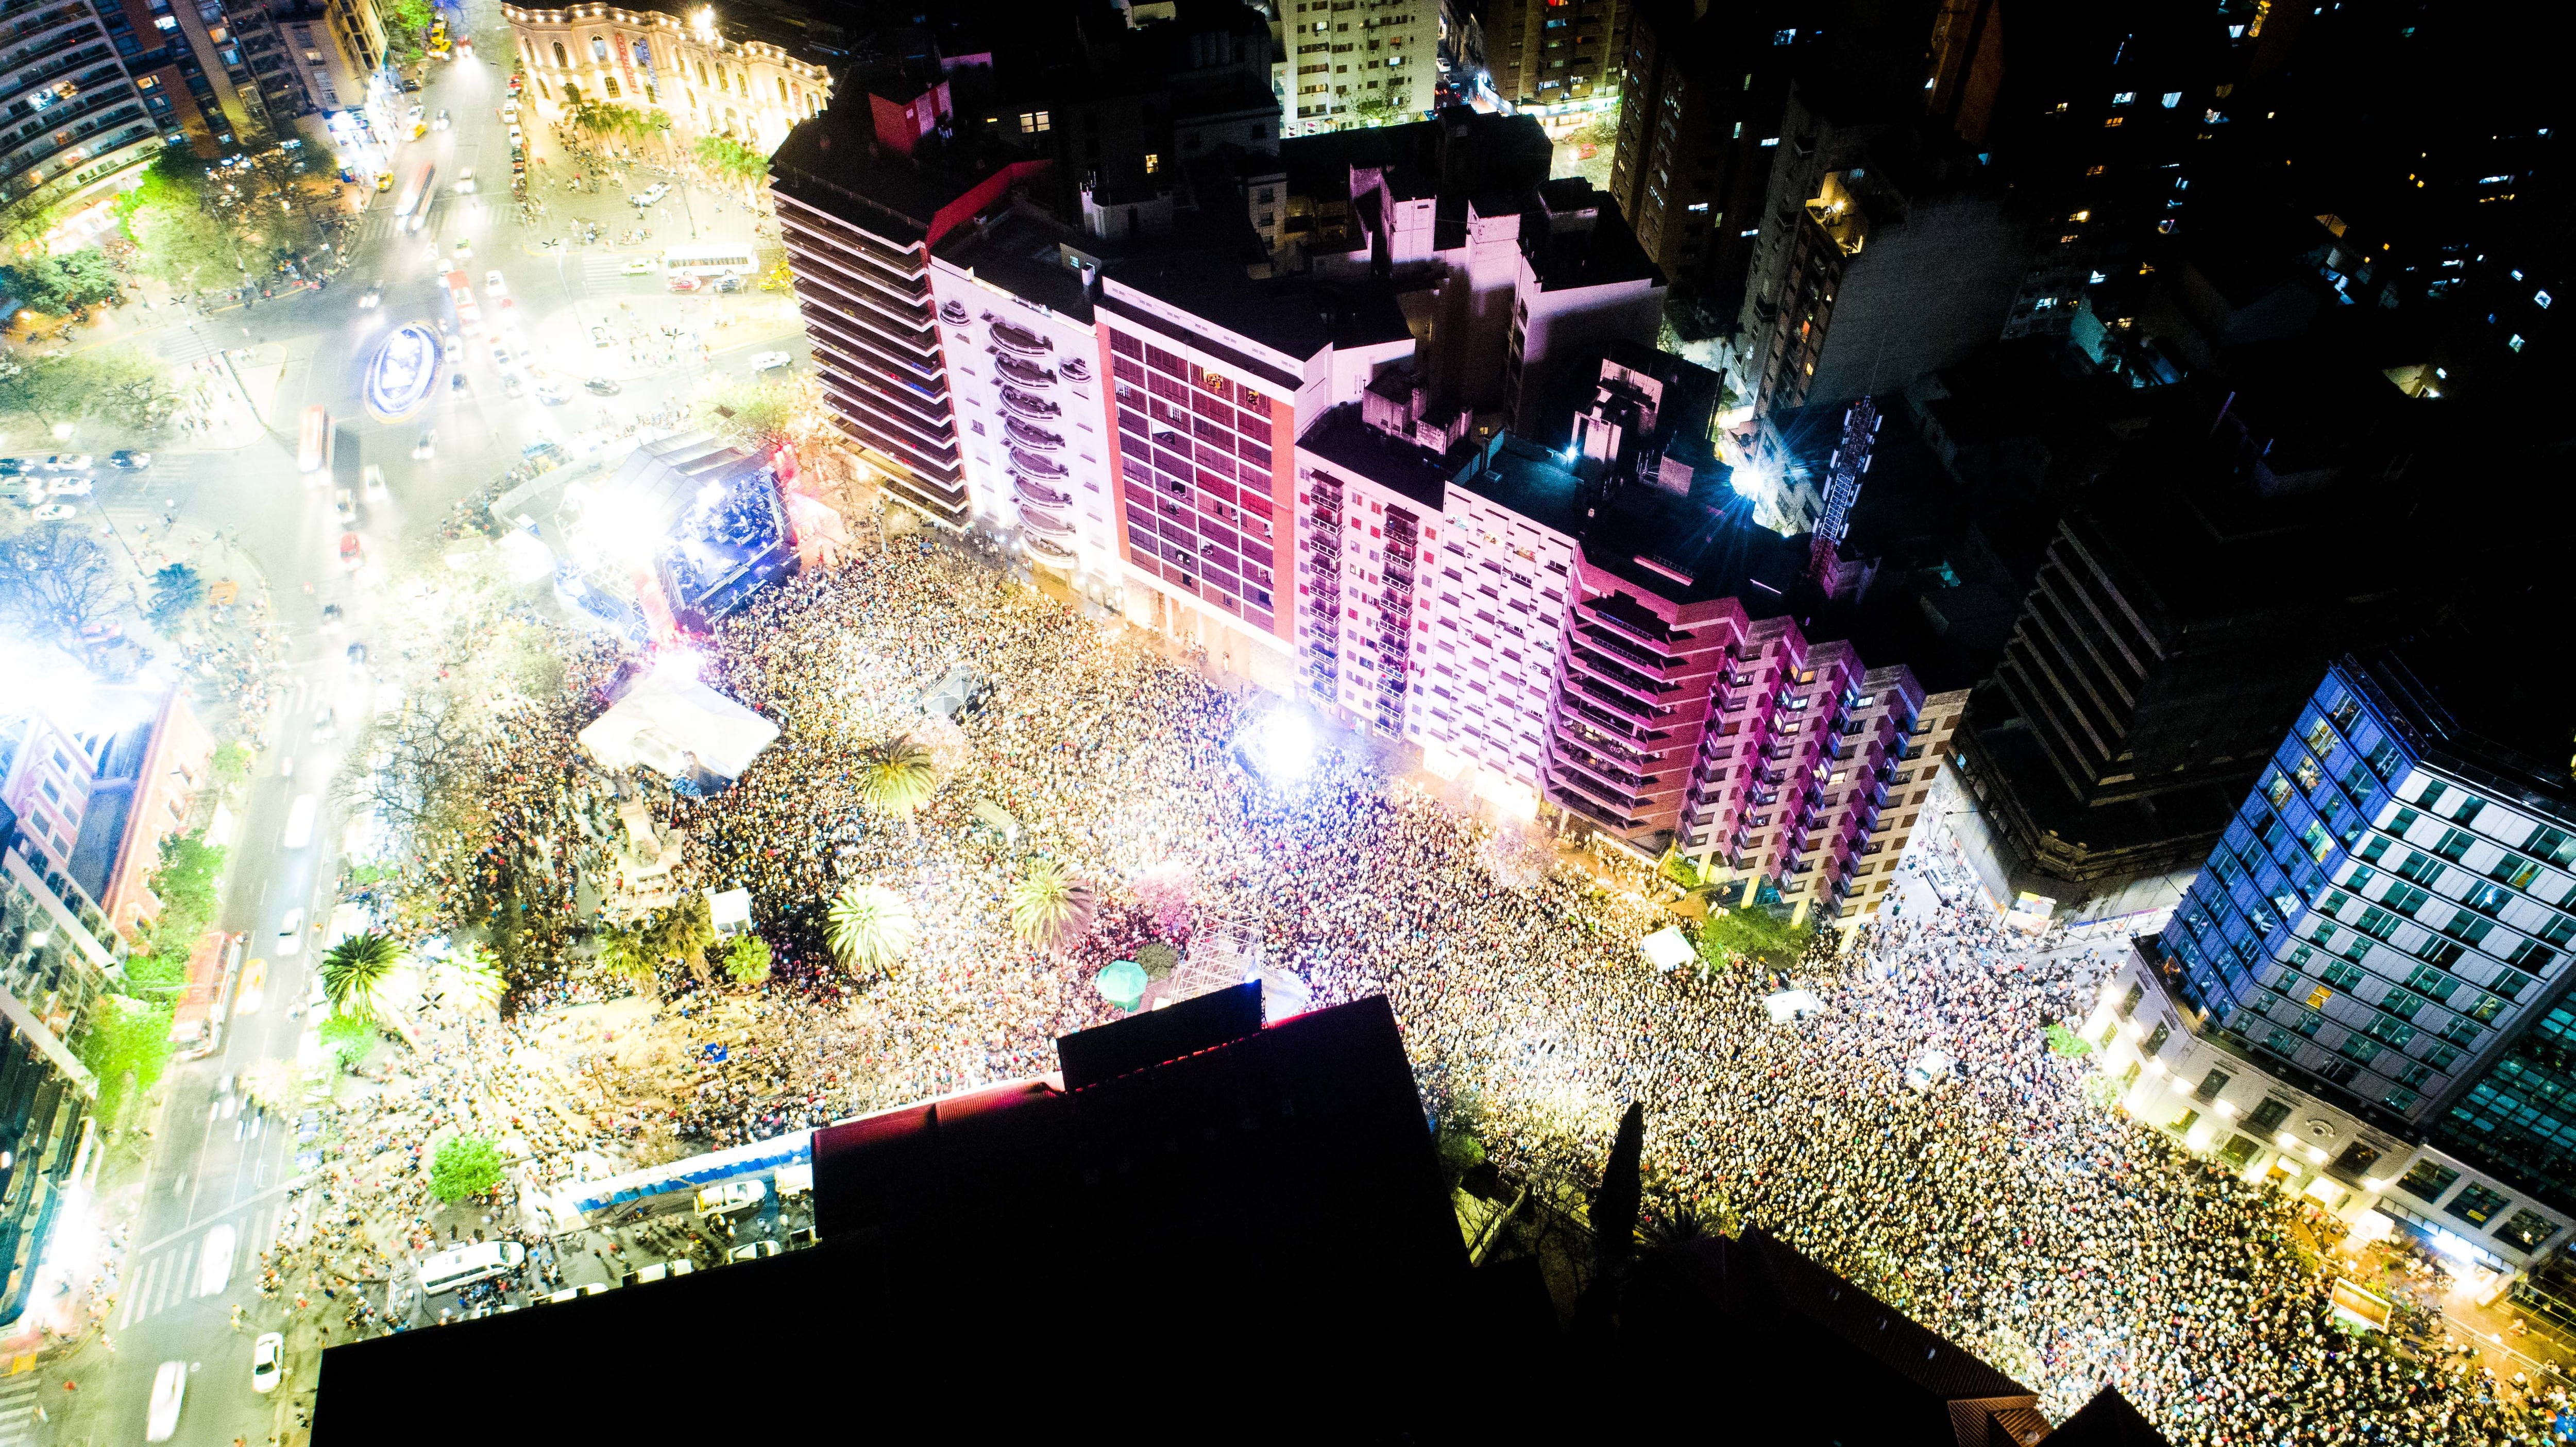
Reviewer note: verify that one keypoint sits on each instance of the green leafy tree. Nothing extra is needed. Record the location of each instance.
(176, 588)
(409, 16)
(72, 282)
(173, 221)
(185, 882)
(757, 414)
(1753, 934)
(349, 1038)
(1377, 111)
(465, 1165)
(897, 777)
(231, 764)
(127, 1042)
(1157, 959)
(626, 953)
(683, 932)
(872, 928)
(357, 970)
(2066, 1042)
(1050, 909)
(747, 960)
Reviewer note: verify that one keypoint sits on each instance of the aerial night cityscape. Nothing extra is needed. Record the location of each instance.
(1336, 720)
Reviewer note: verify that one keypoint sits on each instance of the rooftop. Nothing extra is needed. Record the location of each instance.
(1345, 440)
(1589, 245)
(1022, 251)
(1294, 316)
(834, 164)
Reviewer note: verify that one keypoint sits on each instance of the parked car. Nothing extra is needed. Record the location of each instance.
(728, 284)
(130, 461)
(753, 1251)
(352, 552)
(770, 361)
(553, 393)
(493, 285)
(13, 466)
(69, 487)
(641, 266)
(600, 387)
(54, 512)
(659, 190)
(267, 1360)
(67, 462)
(685, 283)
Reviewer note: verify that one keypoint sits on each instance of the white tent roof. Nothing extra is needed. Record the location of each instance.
(663, 720)
(1666, 949)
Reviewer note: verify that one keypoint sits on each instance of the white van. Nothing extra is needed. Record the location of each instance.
(731, 1196)
(464, 1265)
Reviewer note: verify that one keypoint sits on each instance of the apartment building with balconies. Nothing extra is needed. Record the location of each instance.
(1016, 327)
(1215, 377)
(859, 213)
(81, 105)
(1359, 62)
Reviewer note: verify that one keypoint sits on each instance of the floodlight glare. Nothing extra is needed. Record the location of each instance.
(1280, 747)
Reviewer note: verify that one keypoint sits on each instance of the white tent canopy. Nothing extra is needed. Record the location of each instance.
(1666, 949)
(666, 723)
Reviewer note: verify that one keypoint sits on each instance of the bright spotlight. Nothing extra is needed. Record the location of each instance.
(679, 665)
(1280, 747)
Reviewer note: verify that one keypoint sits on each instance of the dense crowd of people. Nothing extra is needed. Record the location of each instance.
(1997, 1204)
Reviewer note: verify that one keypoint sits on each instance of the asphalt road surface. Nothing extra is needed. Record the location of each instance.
(219, 1179)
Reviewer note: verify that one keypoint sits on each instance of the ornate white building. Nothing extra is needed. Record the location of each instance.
(712, 83)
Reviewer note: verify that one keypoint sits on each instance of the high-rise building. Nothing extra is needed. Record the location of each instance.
(1559, 59)
(1360, 62)
(2177, 616)
(1606, 634)
(1214, 378)
(44, 1099)
(2365, 993)
(1886, 250)
(861, 201)
(91, 91)
(1023, 362)
(1702, 89)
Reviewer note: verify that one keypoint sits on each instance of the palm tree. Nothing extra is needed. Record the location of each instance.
(1050, 909)
(897, 777)
(469, 977)
(356, 970)
(872, 928)
(747, 959)
(625, 955)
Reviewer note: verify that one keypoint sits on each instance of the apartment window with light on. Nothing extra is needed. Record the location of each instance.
(1032, 122)
(1153, 163)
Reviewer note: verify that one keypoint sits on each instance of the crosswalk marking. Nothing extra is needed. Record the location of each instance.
(18, 1408)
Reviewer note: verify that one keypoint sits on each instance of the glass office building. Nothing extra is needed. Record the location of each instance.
(2384, 924)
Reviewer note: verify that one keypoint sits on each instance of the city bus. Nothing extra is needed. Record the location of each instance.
(313, 440)
(411, 208)
(469, 313)
(708, 261)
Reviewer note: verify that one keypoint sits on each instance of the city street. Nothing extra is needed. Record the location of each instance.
(622, 348)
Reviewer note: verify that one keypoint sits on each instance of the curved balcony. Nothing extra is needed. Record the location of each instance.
(1032, 491)
(1050, 552)
(1027, 374)
(1024, 435)
(1075, 369)
(1021, 340)
(1036, 466)
(952, 313)
(1028, 406)
(1044, 523)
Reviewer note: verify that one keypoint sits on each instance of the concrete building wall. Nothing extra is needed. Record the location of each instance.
(1343, 54)
(2270, 1129)
(1033, 422)
(709, 84)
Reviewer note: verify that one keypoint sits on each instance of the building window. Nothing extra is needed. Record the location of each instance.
(2427, 1180)
(2476, 1204)
(561, 62)
(1032, 122)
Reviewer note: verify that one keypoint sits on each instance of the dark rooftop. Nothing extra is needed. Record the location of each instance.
(1600, 252)
(1343, 439)
(1292, 315)
(832, 162)
(1701, 547)
(1177, 1238)
(1022, 251)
